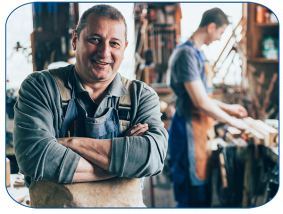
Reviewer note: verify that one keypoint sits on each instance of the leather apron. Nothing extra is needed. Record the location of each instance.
(114, 192)
(188, 138)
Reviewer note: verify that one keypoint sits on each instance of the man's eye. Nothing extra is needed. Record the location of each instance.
(94, 40)
(115, 44)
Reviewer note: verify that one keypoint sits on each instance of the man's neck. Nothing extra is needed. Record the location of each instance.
(199, 38)
(96, 90)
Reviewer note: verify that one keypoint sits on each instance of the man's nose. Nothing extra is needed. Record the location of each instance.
(104, 50)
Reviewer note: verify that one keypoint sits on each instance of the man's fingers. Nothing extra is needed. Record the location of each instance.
(142, 131)
(139, 130)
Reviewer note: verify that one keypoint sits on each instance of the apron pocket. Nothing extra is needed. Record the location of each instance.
(97, 130)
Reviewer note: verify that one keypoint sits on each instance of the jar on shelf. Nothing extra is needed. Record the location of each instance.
(270, 48)
(260, 13)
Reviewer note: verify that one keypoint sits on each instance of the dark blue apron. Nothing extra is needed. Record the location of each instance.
(77, 124)
(186, 194)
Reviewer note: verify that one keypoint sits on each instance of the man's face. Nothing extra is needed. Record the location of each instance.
(214, 33)
(100, 48)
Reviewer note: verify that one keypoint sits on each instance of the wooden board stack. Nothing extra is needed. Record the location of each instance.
(265, 134)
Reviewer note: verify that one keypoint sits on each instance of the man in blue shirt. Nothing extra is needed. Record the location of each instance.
(191, 80)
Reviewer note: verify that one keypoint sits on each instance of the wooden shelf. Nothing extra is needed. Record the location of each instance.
(163, 90)
(263, 60)
(273, 24)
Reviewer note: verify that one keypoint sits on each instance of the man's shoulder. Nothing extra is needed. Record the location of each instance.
(143, 87)
(185, 48)
(38, 76)
(46, 75)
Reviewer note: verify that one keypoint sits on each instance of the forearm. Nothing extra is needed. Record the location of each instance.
(221, 105)
(210, 108)
(97, 151)
(87, 172)
(203, 102)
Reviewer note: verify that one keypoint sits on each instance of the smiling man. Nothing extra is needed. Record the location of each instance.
(84, 122)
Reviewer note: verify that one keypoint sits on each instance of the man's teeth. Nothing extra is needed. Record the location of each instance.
(101, 63)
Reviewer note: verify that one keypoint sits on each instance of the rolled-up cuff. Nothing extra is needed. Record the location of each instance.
(119, 152)
(70, 163)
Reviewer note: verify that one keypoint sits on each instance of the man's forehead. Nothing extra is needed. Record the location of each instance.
(93, 20)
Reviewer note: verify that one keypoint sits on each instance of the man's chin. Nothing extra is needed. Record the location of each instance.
(103, 76)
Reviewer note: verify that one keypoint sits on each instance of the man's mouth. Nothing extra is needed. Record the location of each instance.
(100, 63)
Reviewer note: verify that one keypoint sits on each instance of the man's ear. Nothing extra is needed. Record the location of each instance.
(74, 39)
(126, 45)
(211, 27)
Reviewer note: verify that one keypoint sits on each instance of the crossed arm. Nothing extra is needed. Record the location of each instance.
(96, 154)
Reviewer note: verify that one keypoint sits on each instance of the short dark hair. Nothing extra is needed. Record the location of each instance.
(101, 10)
(214, 15)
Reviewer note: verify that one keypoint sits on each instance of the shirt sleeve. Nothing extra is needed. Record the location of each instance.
(36, 127)
(185, 66)
(141, 156)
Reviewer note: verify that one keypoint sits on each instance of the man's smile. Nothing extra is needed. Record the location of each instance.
(101, 63)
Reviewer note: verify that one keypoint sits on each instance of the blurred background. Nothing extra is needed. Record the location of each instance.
(20, 26)
(245, 65)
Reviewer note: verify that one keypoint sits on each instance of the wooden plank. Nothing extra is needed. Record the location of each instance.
(253, 133)
(267, 131)
(223, 170)
(271, 132)
(263, 60)
(235, 133)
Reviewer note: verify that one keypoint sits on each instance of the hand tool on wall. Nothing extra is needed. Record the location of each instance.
(52, 13)
(36, 13)
(267, 97)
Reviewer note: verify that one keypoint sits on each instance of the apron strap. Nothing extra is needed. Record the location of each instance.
(61, 83)
(124, 107)
(125, 103)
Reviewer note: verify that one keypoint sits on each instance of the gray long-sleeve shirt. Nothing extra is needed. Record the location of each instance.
(39, 116)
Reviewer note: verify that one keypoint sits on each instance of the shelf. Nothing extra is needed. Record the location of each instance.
(275, 24)
(163, 90)
(263, 60)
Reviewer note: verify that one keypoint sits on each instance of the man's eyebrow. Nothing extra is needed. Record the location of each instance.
(116, 39)
(95, 34)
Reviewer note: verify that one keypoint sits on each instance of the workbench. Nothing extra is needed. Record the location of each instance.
(18, 194)
(254, 159)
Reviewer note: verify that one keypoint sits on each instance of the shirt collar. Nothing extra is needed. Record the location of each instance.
(191, 40)
(116, 87)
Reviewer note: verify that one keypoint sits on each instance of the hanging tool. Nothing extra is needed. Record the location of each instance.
(52, 12)
(37, 18)
(267, 97)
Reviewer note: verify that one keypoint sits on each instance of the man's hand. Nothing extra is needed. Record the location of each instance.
(239, 124)
(137, 130)
(236, 110)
